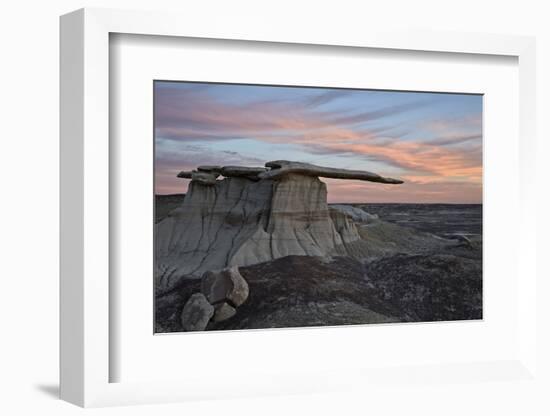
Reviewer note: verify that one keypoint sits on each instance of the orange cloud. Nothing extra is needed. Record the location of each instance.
(445, 165)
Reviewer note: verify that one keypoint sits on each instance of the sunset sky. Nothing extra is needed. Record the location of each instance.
(431, 141)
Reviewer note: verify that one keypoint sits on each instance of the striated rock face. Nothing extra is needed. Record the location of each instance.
(250, 217)
(208, 229)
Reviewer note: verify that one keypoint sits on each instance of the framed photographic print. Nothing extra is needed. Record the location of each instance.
(245, 243)
(290, 209)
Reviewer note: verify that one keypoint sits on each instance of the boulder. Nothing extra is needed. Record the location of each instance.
(223, 312)
(463, 241)
(356, 214)
(226, 285)
(196, 313)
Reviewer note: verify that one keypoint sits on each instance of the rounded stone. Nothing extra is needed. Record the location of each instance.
(196, 313)
(223, 312)
(225, 285)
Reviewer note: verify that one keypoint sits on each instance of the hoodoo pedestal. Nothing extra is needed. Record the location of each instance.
(238, 216)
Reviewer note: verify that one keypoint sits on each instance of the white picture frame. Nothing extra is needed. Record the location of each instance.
(85, 163)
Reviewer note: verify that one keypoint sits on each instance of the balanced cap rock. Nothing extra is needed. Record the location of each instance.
(240, 215)
(278, 168)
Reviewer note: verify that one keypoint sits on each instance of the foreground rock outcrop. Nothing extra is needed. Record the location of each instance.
(253, 215)
(298, 291)
(221, 293)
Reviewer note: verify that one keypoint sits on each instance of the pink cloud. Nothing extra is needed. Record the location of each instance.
(447, 167)
(409, 192)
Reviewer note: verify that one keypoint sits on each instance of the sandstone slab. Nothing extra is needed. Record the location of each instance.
(205, 178)
(284, 167)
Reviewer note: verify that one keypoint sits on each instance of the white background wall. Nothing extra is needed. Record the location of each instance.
(29, 56)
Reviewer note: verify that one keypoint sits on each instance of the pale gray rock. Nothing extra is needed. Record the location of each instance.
(280, 168)
(240, 291)
(185, 174)
(205, 175)
(215, 287)
(196, 313)
(205, 178)
(211, 225)
(356, 214)
(226, 285)
(223, 311)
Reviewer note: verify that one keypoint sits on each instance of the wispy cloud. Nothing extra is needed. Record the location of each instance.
(422, 138)
(171, 159)
(184, 114)
(326, 97)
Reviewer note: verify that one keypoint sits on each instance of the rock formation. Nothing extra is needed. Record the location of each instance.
(356, 214)
(284, 167)
(253, 215)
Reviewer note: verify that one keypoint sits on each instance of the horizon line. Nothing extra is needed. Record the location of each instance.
(394, 202)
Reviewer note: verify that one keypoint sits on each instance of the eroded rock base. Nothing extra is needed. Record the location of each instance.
(240, 222)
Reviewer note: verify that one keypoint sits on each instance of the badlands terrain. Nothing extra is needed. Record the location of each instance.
(250, 248)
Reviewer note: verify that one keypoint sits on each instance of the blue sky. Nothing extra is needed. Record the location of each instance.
(430, 140)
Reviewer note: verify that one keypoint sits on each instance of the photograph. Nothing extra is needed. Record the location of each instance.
(244, 208)
(284, 206)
